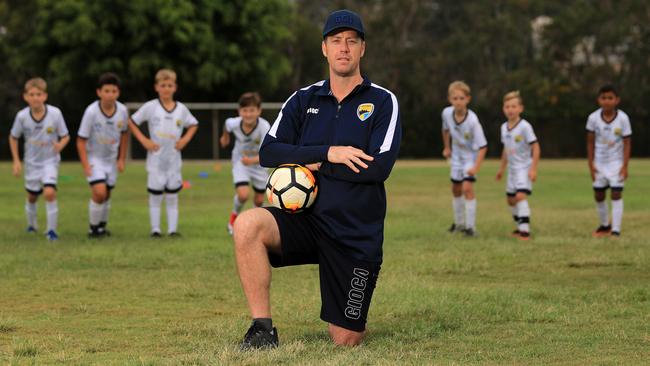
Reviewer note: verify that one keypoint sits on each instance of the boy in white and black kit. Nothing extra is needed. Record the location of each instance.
(166, 120)
(521, 153)
(102, 143)
(249, 130)
(45, 133)
(464, 142)
(609, 142)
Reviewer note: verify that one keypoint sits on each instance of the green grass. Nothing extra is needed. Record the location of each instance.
(562, 298)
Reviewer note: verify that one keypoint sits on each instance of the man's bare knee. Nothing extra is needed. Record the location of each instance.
(256, 226)
(345, 337)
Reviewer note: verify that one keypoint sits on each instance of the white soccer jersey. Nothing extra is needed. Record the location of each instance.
(103, 132)
(467, 136)
(517, 143)
(40, 135)
(246, 144)
(165, 129)
(609, 136)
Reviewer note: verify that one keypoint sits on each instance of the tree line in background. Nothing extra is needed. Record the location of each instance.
(556, 53)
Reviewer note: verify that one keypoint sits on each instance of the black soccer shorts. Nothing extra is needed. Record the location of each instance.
(346, 283)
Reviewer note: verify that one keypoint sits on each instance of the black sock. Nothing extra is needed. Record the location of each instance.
(265, 323)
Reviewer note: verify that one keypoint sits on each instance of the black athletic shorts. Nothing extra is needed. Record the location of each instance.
(346, 283)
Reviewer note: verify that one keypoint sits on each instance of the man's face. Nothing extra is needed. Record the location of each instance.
(344, 51)
(459, 100)
(35, 98)
(166, 88)
(108, 93)
(608, 101)
(513, 108)
(249, 114)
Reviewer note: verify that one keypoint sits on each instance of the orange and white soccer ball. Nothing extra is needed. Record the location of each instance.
(292, 188)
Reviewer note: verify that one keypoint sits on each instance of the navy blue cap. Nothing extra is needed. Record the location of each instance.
(343, 19)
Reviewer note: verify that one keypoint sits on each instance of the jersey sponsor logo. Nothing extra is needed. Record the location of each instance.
(356, 294)
(364, 111)
(312, 111)
(109, 122)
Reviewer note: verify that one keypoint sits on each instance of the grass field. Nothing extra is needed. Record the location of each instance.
(562, 298)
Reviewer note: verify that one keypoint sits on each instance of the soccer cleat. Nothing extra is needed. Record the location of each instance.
(52, 236)
(103, 229)
(96, 232)
(602, 231)
(258, 337)
(524, 235)
(615, 234)
(515, 233)
(456, 228)
(231, 222)
(470, 232)
(30, 229)
(156, 235)
(174, 234)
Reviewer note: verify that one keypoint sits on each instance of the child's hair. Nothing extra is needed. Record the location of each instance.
(513, 95)
(608, 88)
(250, 99)
(165, 74)
(108, 78)
(459, 85)
(37, 83)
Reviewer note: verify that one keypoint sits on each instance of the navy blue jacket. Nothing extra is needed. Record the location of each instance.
(351, 207)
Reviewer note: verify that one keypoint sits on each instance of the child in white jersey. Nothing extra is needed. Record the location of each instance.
(166, 120)
(102, 142)
(521, 153)
(464, 142)
(45, 134)
(609, 141)
(249, 130)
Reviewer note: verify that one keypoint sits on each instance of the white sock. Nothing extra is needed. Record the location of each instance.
(470, 213)
(603, 212)
(237, 204)
(617, 214)
(95, 211)
(459, 210)
(523, 211)
(172, 212)
(515, 213)
(107, 208)
(52, 210)
(155, 200)
(30, 211)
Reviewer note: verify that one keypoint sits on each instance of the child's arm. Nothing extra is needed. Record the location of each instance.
(224, 140)
(591, 141)
(121, 157)
(83, 155)
(446, 152)
(15, 155)
(532, 173)
(479, 160)
(627, 149)
(504, 162)
(146, 142)
(60, 145)
(180, 144)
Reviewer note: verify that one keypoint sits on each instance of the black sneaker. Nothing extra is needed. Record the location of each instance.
(175, 235)
(95, 232)
(524, 235)
(456, 228)
(470, 232)
(615, 234)
(602, 231)
(515, 233)
(103, 229)
(258, 337)
(156, 235)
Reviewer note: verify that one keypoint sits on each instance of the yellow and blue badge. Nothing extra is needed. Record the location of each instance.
(179, 122)
(364, 111)
(49, 129)
(120, 125)
(519, 138)
(618, 132)
(467, 136)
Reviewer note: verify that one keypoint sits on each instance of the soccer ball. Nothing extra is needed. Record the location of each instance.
(291, 187)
